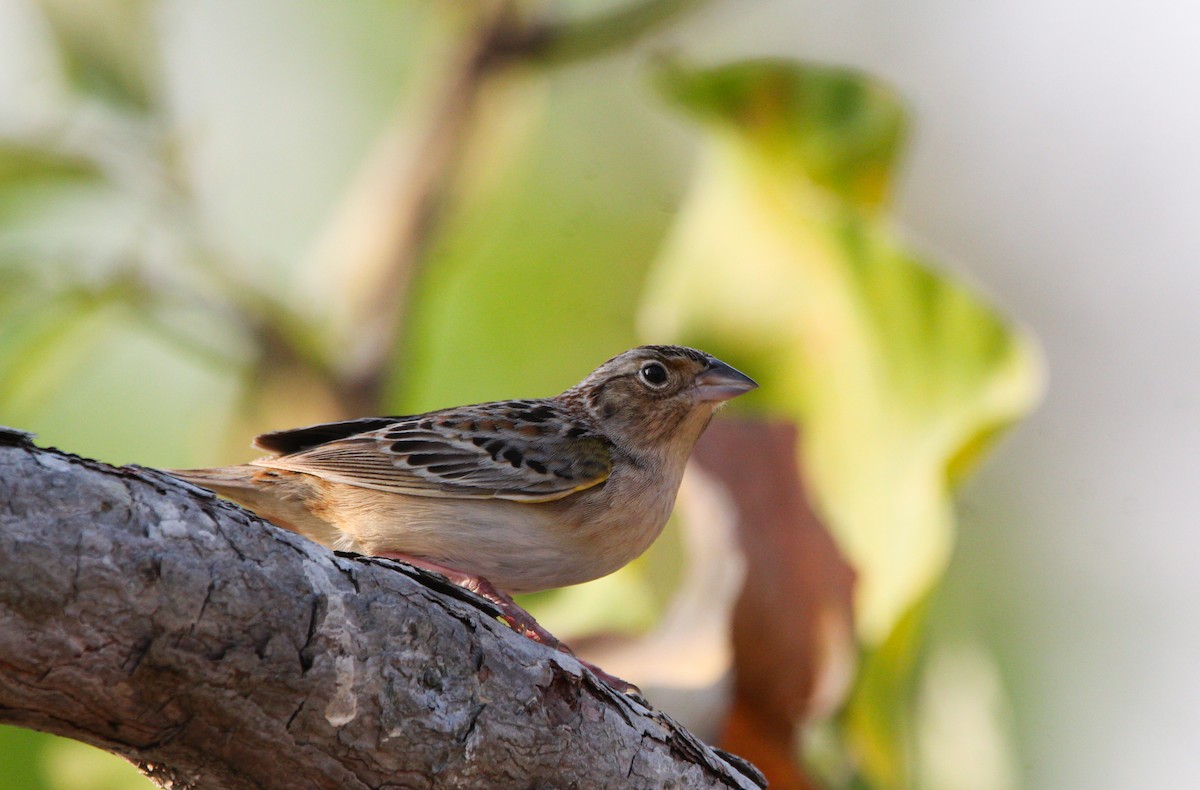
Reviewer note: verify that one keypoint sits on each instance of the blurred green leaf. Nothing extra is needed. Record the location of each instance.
(33, 180)
(71, 765)
(817, 124)
(537, 281)
(107, 48)
(18, 750)
(43, 335)
(23, 164)
(56, 206)
(899, 376)
(877, 720)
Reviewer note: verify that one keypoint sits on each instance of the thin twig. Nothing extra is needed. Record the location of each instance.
(429, 172)
(283, 336)
(500, 41)
(562, 43)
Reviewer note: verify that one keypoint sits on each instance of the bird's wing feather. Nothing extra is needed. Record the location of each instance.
(297, 440)
(529, 451)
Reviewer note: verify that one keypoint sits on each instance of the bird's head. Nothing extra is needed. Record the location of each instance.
(658, 398)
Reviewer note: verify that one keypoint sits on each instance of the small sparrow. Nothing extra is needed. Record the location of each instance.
(506, 497)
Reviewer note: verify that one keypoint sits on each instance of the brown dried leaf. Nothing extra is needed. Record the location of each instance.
(793, 642)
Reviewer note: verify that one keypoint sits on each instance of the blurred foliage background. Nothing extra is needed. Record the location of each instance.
(220, 218)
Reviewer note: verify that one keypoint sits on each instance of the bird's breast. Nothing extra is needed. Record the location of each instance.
(615, 523)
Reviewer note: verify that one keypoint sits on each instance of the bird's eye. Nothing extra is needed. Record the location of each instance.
(653, 374)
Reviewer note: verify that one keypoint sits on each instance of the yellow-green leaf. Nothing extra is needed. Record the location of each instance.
(812, 123)
(782, 264)
(107, 49)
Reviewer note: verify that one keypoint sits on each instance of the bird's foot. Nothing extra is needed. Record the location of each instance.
(512, 614)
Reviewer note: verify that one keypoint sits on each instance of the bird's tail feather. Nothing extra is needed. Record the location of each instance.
(225, 480)
(278, 496)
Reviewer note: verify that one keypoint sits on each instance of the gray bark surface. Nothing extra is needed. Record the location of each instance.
(149, 618)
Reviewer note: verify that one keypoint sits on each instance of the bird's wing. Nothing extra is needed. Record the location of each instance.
(295, 440)
(528, 451)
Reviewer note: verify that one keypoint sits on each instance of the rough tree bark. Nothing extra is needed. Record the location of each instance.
(151, 619)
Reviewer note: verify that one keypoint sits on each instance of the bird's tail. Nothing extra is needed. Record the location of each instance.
(278, 496)
(234, 482)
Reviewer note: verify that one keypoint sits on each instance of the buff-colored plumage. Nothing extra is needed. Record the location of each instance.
(529, 494)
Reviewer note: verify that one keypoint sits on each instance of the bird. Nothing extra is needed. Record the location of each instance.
(506, 497)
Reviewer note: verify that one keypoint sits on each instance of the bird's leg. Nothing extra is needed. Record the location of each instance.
(517, 618)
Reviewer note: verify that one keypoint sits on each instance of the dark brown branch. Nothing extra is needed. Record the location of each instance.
(500, 39)
(418, 193)
(148, 618)
(561, 43)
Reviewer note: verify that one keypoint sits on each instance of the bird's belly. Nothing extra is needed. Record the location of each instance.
(519, 547)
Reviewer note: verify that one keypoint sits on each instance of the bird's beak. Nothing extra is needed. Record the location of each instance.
(721, 382)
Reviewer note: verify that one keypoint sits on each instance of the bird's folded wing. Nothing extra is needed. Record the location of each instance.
(469, 453)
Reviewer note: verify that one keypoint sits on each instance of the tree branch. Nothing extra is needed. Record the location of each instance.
(399, 202)
(561, 43)
(150, 619)
(396, 207)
